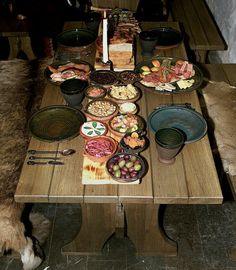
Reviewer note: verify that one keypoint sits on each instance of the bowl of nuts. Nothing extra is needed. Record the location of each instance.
(101, 110)
(124, 167)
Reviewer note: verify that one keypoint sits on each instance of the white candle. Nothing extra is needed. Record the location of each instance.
(104, 40)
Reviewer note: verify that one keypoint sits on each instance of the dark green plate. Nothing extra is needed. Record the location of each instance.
(56, 123)
(47, 72)
(186, 119)
(76, 38)
(198, 77)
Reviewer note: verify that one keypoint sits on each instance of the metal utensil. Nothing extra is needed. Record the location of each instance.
(35, 157)
(51, 162)
(65, 152)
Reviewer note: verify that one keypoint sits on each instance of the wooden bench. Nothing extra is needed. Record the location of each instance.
(201, 31)
(17, 32)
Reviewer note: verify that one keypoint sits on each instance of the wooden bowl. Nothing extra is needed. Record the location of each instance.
(100, 149)
(98, 110)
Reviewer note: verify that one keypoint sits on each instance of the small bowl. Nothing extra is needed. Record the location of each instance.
(95, 110)
(105, 78)
(115, 124)
(129, 76)
(125, 168)
(135, 145)
(128, 107)
(124, 93)
(100, 149)
(95, 91)
(92, 129)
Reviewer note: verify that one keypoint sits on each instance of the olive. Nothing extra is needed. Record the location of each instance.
(129, 164)
(121, 163)
(115, 167)
(137, 167)
(117, 173)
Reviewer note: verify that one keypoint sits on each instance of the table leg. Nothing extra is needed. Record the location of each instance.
(201, 56)
(98, 224)
(144, 230)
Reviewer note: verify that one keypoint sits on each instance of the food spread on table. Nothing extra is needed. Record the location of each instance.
(162, 74)
(70, 70)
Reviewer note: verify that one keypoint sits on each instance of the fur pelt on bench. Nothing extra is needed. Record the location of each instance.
(21, 84)
(220, 102)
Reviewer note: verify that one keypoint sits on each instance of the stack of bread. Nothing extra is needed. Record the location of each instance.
(121, 44)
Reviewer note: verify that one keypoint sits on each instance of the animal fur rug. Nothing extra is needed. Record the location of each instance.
(220, 100)
(21, 89)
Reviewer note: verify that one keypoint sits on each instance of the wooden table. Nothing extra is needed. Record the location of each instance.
(192, 179)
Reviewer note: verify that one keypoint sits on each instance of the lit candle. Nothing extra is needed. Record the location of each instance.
(104, 40)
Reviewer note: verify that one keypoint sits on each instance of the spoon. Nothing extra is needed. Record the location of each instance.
(51, 162)
(35, 157)
(65, 152)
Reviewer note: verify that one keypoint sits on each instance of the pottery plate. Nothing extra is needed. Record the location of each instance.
(56, 123)
(186, 119)
(169, 71)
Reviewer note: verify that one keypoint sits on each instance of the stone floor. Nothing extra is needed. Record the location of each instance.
(205, 234)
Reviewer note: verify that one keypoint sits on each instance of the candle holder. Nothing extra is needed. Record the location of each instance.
(108, 65)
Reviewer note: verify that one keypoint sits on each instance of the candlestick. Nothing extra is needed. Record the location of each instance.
(104, 40)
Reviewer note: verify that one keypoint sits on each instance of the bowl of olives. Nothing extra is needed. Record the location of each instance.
(123, 167)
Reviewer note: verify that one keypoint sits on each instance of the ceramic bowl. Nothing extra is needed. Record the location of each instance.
(106, 78)
(128, 107)
(121, 124)
(124, 93)
(124, 167)
(101, 110)
(129, 76)
(133, 143)
(92, 129)
(95, 91)
(100, 149)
